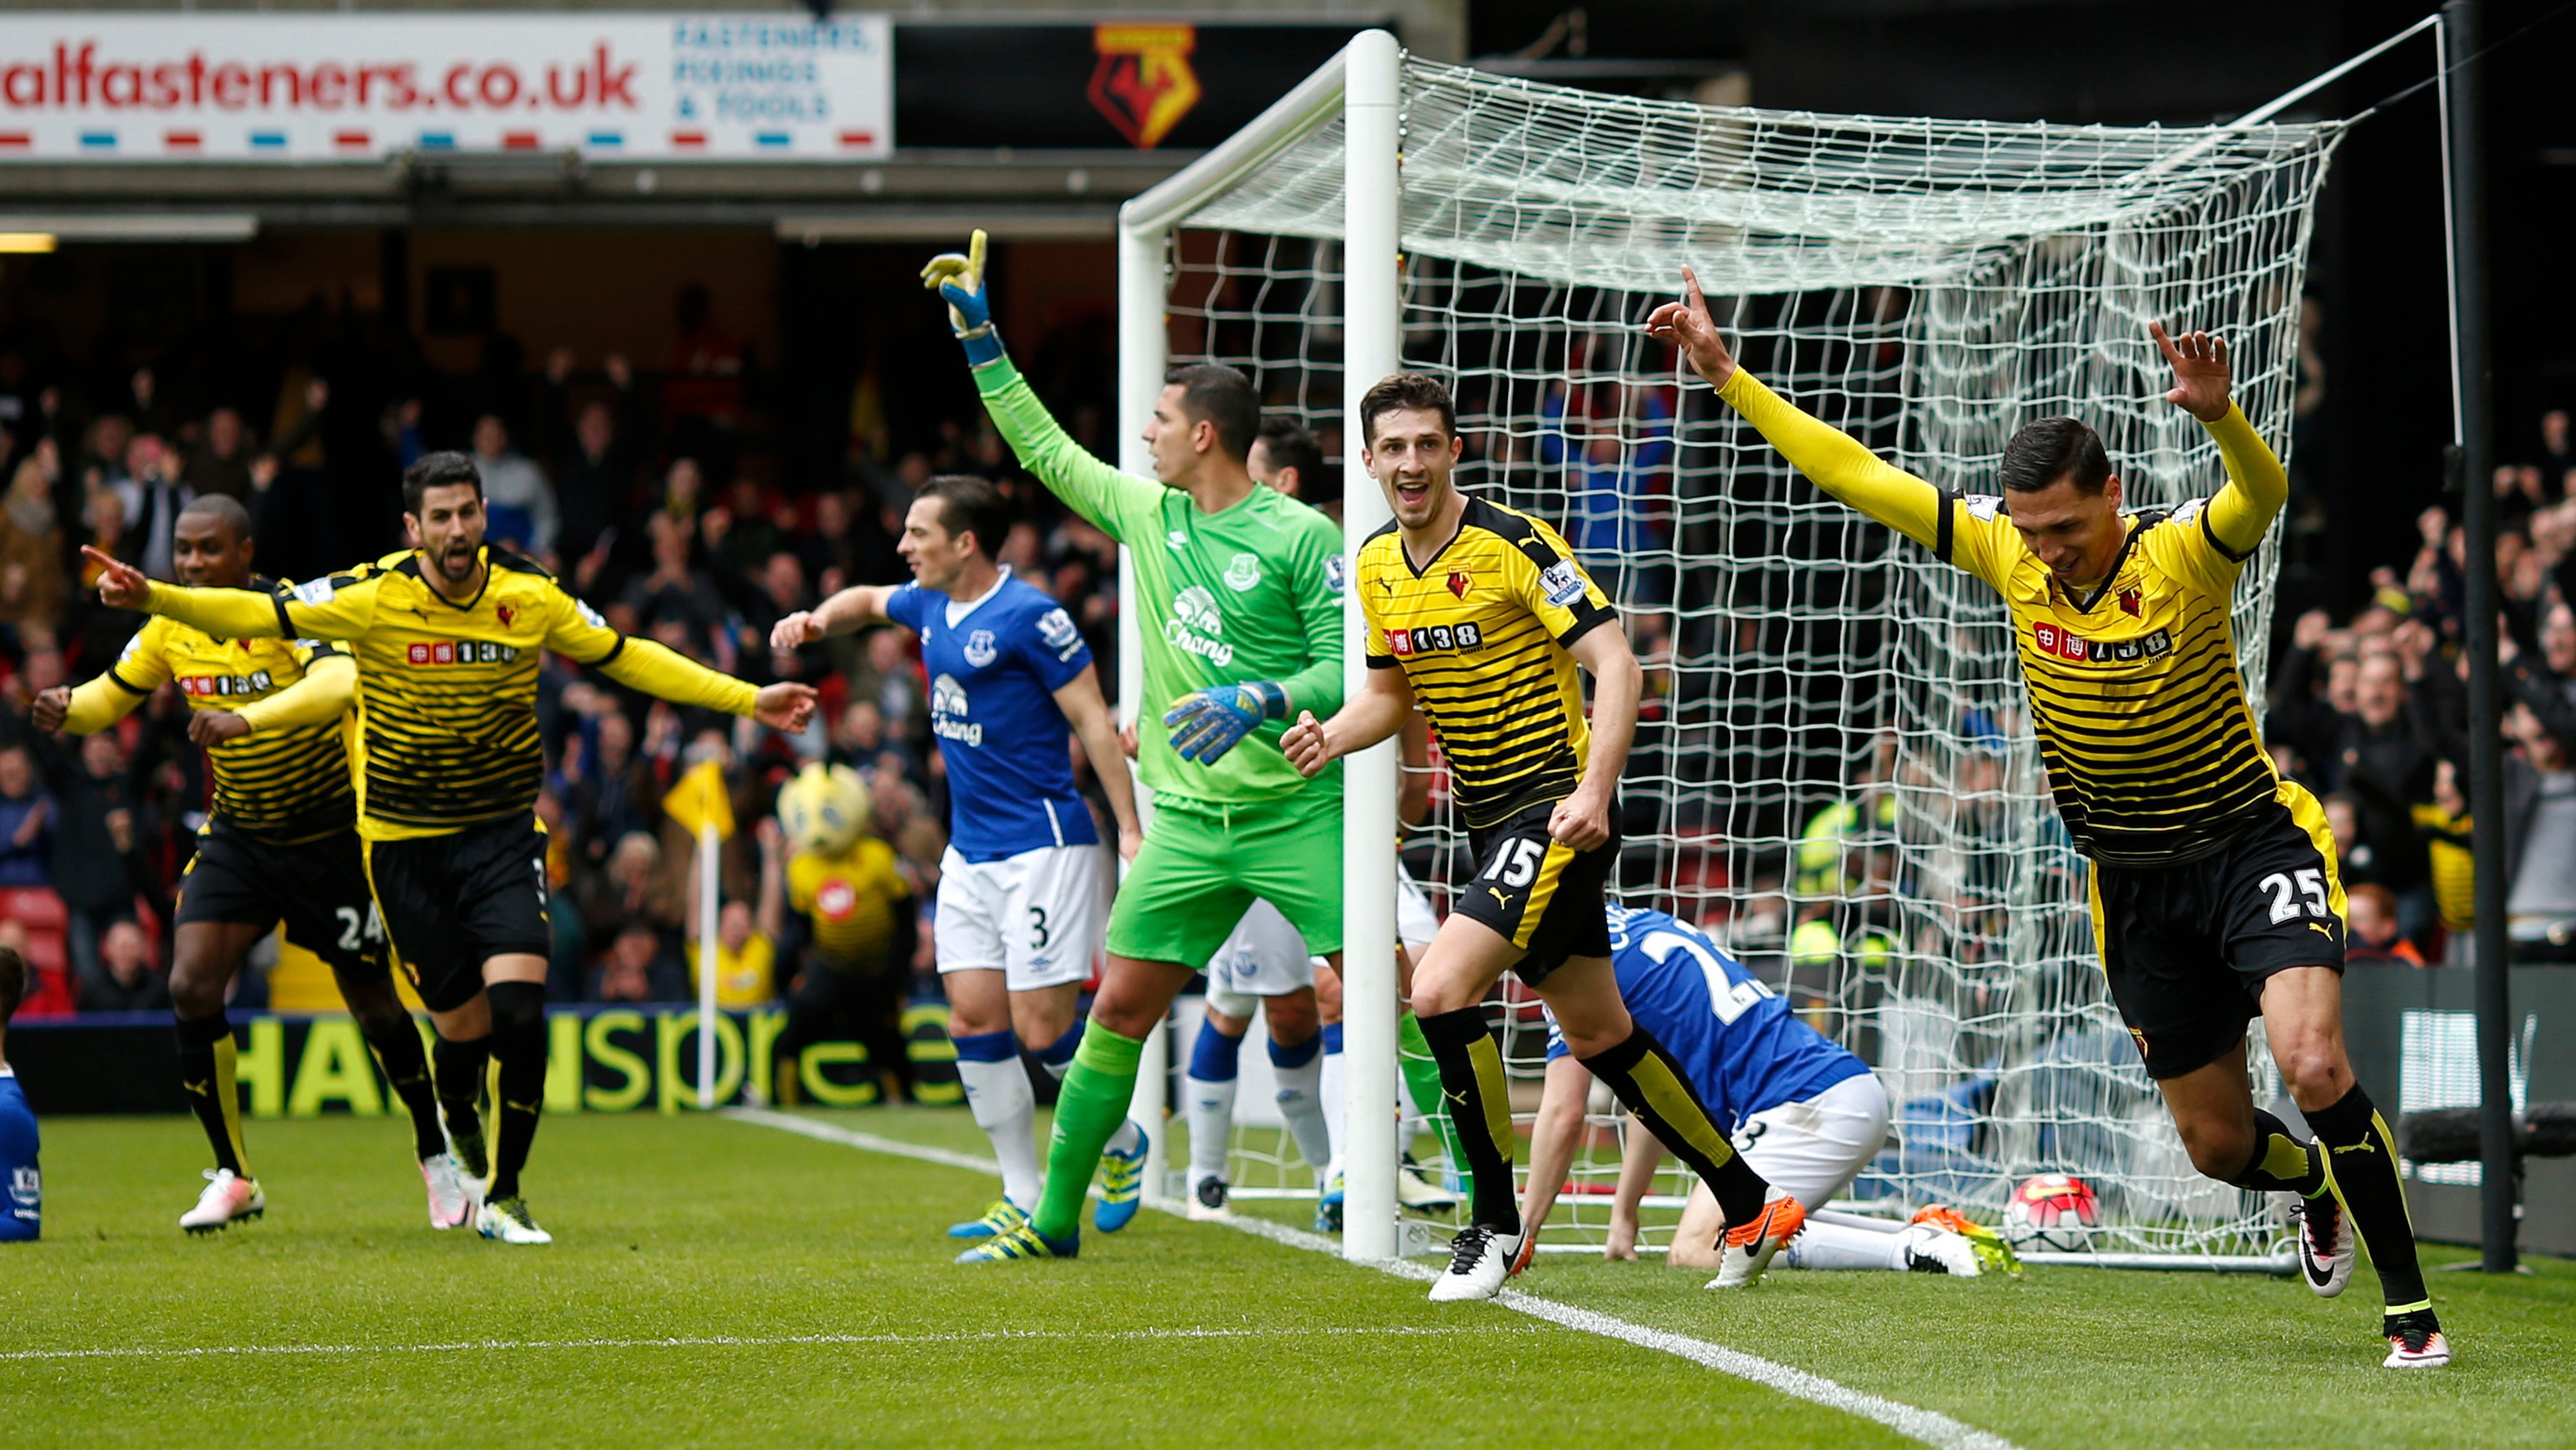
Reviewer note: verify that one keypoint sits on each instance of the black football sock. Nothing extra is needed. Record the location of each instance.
(519, 1044)
(2281, 1163)
(397, 1045)
(2361, 1164)
(1480, 1106)
(206, 1072)
(456, 1073)
(1650, 1084)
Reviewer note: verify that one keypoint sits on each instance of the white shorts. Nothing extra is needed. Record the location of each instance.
(1035, 917)
(1415, 922)
(1811, 1149)
(1264, 957)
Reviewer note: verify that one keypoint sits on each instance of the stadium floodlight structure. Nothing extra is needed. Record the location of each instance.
(1835, 773)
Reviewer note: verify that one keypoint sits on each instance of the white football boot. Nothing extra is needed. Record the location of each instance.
(228, 1199)
(1479, 1260)
(453, 1193)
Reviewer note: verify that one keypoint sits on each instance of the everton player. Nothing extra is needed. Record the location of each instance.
(1023, 888)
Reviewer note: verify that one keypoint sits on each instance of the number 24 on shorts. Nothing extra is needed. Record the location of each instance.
(2311, 883)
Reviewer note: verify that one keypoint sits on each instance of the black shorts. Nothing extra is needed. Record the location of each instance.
(1547, 898)
(453, 902)
(2188, 948)
(318, 888)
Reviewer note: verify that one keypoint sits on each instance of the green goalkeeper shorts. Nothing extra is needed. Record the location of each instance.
(1203, 863)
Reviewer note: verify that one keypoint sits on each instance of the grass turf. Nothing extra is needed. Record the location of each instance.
(1168, 1333)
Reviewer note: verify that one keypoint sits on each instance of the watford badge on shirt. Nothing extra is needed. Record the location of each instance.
(1460, 581)
(2132, 602)
(505, 613)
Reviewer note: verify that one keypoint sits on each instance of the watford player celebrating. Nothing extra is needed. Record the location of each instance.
(280, 844)
(1480, 614)
(448, 637)
(2214, 892)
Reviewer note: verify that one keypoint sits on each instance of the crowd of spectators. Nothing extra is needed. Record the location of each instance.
(2372, 714)
(648, 497)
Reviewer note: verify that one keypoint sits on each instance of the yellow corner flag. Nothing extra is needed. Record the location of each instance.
(700, 800)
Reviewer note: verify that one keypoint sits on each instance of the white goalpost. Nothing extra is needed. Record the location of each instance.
(1835, 774)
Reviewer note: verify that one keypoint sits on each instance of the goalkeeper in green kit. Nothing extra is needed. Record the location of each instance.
(1238, 590)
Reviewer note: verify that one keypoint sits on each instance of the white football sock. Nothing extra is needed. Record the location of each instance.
(1332, 1090)
(998, 1095)
(1844, 1246)
(1127, 1139)
(1211, 1113)
(1301, 1103)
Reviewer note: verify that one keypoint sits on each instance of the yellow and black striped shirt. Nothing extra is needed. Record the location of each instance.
(281, 783)
(1482, 633)
(2152, 750)
(447, 690)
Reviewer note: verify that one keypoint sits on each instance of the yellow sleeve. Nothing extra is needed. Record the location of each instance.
(141, 667)
(2256, 488)
(330, 682)
(1555, 587)
(579, 634)
(337, 606)
(801, 873)
(1974, 538)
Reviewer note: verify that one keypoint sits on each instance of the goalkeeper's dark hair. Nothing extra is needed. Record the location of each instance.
(13, 983)
(1215, 394)
(438, 470)
(2045, 450)
(1290, 445)
(1406, 390)
(971, 505)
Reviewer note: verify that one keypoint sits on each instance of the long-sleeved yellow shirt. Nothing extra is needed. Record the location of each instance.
(447, 690)
(2150, 744)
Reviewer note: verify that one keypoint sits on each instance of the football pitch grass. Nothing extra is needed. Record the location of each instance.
(717, 1281)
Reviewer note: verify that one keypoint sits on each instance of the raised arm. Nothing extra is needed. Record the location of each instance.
(1112, 501)
(579, 634)
(2256, 485)
(1093, 724)
(337, 606)
(853, 608)
(1837, 462)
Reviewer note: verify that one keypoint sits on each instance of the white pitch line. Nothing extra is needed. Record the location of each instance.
(1928, 1426)
(695, 1341)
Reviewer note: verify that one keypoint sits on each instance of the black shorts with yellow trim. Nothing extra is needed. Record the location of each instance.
(453, 902)
(2188, 948)
(317, 888)
(1545, 897)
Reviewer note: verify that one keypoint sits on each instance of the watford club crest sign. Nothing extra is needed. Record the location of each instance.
(1143, 82)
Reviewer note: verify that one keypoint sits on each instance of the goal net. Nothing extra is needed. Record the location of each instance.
(1835, 774)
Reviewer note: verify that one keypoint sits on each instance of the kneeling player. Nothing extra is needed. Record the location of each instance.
(280, 844)
(1481, 615)
(1804, 1112)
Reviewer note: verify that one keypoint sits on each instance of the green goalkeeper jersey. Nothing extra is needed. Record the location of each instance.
(1252, 593)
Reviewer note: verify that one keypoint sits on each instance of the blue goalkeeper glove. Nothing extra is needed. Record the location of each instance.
(1206, 723)
(958, 278)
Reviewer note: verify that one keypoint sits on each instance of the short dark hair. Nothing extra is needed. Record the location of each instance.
(1215, 393)
(971, 505)
(1290, 445)
(221, 506)
(438, 470)
(1406, 390)
(2045, 450)
(13, 983)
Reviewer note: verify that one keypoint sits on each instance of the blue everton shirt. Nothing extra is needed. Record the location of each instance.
(1742, 1049)
(22, 1189)
(995, 664)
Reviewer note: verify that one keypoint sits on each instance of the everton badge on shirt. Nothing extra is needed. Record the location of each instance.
(979, 648)
(1242, 572)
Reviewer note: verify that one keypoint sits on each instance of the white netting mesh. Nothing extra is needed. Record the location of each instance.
(1836, 774)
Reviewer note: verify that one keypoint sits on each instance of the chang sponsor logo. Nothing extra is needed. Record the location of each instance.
(1195, 625)
(948, 711)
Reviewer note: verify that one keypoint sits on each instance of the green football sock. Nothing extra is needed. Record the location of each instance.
(1089, 1108)
(1422, 1080)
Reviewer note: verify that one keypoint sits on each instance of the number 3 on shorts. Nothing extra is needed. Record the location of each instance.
(1039, 936)
(2311, 884)
(1516, 863)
